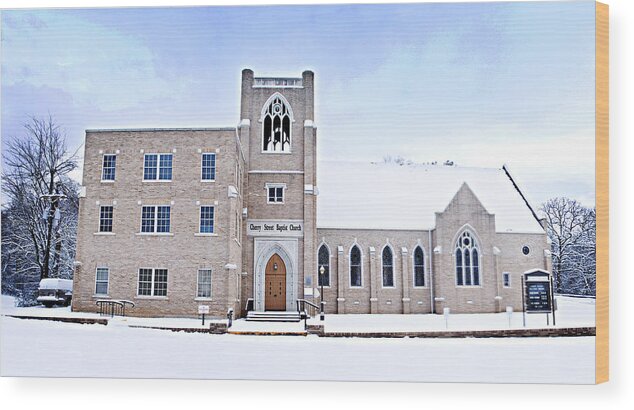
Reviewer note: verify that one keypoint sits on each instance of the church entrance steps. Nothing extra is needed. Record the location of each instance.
(244, 327)
(273, 316)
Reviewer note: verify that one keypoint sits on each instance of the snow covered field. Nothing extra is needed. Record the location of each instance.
(572, 312)
(45, 348)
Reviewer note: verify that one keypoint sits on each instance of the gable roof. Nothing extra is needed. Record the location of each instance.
(364, 195)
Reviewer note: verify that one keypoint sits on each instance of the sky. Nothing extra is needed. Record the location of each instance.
(481, 84)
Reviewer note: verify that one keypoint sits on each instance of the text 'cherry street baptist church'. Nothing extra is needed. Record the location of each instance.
(233, 217)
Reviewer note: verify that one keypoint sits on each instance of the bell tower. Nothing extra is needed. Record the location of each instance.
(278, 138)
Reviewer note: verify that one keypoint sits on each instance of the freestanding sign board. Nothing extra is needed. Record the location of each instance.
(203, 310)
(537, 296)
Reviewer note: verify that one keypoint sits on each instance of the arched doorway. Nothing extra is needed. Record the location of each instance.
(275, 284)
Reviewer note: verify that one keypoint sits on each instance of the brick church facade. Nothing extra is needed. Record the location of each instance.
(237, 217)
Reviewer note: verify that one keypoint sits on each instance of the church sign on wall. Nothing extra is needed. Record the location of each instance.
(281, 228)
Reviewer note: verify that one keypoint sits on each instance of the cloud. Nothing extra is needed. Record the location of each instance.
(95, 64)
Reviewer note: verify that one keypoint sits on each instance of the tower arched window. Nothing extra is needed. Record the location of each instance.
(276, 125)
(323, 258)
(387, 260)
(467, 258)
(419, 267)
(355, 267)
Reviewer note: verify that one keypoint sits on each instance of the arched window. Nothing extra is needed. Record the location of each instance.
(419, 267)
(323, 257)
(355, 267)
(276, 126)
(467, 261)
(388, 267)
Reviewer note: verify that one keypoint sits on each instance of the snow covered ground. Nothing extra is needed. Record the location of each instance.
(46, 348)
(572, 312)
(8, 308)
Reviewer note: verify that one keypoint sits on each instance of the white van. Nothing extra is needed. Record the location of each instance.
(55, 292)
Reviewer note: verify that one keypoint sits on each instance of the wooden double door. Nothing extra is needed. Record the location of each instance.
(275, 284)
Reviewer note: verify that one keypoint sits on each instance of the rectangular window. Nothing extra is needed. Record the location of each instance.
(145, 282)
(149, 166)
(152, 282)
(105, 218)
(209, 167)
(101, 282)
(206, 219)
(157, 167)
(148, 216)
(162, 219)
(506, 277)
(275, 194)
(108, 169)
(165, 167)
(204, 283)
(155, 219)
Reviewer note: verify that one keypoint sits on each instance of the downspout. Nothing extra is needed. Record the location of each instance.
(431, 273)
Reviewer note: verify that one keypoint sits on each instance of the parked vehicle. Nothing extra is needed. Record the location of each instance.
(55, 292)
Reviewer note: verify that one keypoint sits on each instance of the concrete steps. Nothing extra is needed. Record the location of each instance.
(273, 317)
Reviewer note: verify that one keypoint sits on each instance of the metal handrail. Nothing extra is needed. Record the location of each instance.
(113, 307)
(301, 307)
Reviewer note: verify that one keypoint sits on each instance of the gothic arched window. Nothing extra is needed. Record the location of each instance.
(355, 267)
(323, 257)
(276, 126)
(387, 260)
(467, 260)
(419, 267)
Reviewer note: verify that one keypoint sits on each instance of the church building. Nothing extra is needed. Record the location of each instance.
(248, 218)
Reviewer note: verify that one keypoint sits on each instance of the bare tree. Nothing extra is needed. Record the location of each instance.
(41, 213)
(572, 229)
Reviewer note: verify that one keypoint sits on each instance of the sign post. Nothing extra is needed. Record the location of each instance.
(509, 313)
(445, 312)
(202, 310)
(523, 303)
(538, 293)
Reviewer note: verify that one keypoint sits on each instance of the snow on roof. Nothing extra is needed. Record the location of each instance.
(357, 195)
(54, 283)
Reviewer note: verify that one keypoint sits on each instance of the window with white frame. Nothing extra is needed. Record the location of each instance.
(152, 282)
(109, 167)
(467, 259)
(105, 218)
(208, 167)
(101, 281)
(506, 278)
(419, 267)
(275, 193)
(206, 219)
(276, 126)
(355, 267)
(155, 219)
(204, 283)
(157, 167)
(323, 258)
(387, 263)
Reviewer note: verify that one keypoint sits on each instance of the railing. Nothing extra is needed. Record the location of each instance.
(249, 305)
(310, 308)
(113, 307)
